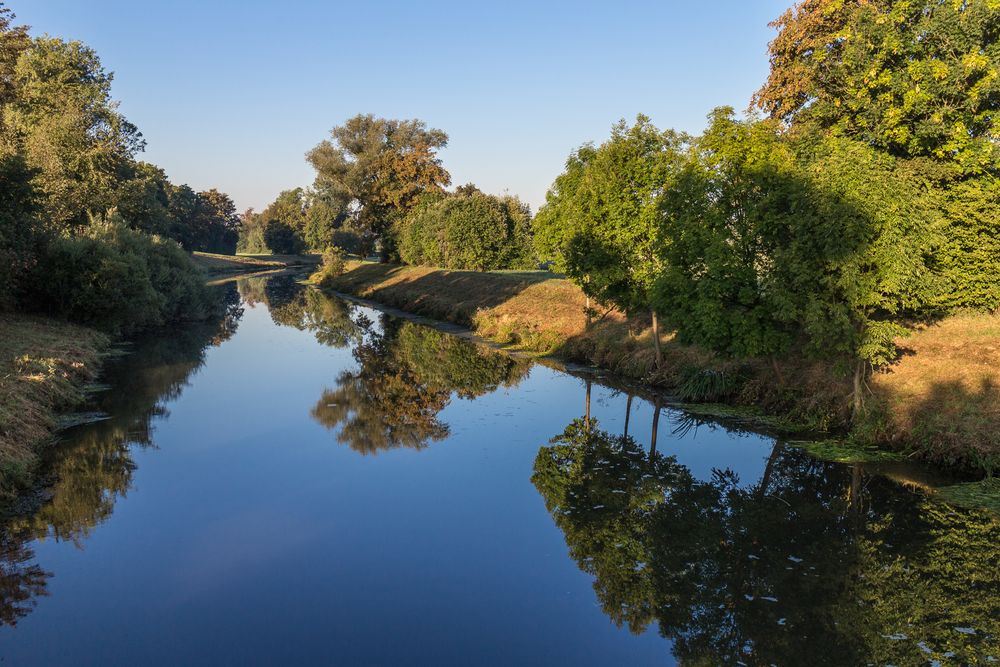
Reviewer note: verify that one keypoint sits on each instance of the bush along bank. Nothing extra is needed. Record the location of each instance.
(936, 403)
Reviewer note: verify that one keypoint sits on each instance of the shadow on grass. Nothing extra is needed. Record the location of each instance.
(953, 424)
(452, 295)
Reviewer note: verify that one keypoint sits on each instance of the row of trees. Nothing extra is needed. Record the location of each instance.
(865, 199)
(380, 186)
(69, 173)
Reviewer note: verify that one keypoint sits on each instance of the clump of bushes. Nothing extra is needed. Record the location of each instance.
(476, 232)
(332, 267)
(116, 279)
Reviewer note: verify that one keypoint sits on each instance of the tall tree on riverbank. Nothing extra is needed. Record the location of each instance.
(818, 246)
(919, 81)
(380, 167)
(603, 218)
(70, 129)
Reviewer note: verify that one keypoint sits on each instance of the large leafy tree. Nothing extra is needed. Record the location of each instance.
(606, 211)
(380, 167)
(560, 218)
(920, 81)
(819, 245)
(70, 129)
(14, 40)
(915, 78)
(217, 224)
(468, 231)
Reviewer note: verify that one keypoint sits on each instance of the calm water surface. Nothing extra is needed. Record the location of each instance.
(310, 481)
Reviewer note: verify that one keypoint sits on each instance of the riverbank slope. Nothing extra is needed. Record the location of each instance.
(215, 264)
(44, 365)
(939, 402)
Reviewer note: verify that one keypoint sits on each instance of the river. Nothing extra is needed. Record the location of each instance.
(311, 481)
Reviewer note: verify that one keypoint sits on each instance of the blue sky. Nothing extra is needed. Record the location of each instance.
(232, 94)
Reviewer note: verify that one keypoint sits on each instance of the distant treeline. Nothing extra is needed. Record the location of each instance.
(86, 230)
(380, 187)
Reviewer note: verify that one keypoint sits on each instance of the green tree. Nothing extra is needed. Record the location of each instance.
(379, 167)
(70, 129)
(913, 78)
(821, 245)
(560, 219)
(217, 223)
(475, 231)
(143, 199)
(326, 224)
(14, 40)
(921, 82)
(614, 250)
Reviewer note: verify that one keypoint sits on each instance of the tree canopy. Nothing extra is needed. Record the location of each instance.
(379, 168)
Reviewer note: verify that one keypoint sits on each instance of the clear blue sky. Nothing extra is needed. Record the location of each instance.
(231, 94)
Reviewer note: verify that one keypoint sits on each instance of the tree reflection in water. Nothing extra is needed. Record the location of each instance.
(815, 563)
(92, 467)
(406, 375)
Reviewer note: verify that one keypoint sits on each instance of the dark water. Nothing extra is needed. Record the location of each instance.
(308, 481)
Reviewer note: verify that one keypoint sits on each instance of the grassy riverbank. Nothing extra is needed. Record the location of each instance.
(215, 264)
(939, 402)
(44, 365)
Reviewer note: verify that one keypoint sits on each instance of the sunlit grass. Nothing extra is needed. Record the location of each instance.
(43, 366)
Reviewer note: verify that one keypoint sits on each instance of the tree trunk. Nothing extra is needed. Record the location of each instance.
(656, 425)
(586, 312)
(656, 339)
(855, 492)
(628, 413)
(859, 386)
(765, 479)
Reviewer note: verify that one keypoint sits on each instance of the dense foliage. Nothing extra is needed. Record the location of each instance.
(117, 279)
(474, 231)
(375, 170)
(866, 202)
(298, 220)
(78, 209)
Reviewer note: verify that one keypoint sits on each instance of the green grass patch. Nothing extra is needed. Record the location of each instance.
(840, 451)
(985, 494)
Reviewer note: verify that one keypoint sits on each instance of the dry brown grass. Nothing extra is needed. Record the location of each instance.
(43, 365)
(943, 396)
(529, 309)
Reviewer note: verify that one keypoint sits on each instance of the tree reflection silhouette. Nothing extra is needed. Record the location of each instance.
(788, 570)
(406, 375)
(92, 467)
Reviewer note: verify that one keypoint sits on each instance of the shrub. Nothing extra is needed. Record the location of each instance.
(332, 266)
(478, 232)
(117, 279)
(281, 239)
